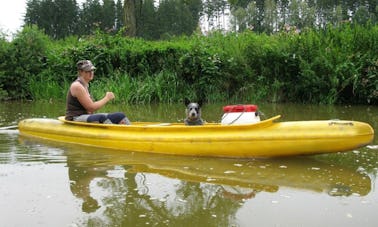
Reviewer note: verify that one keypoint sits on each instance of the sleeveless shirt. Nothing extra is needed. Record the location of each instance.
(73, 106)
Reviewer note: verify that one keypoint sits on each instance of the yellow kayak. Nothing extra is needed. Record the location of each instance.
(262, 139)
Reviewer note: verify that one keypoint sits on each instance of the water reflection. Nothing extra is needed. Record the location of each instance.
(137, 188)
(132, 189)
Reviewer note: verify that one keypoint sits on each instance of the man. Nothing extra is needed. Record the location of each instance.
(79, 103)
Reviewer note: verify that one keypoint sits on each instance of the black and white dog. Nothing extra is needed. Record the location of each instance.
(193, 113)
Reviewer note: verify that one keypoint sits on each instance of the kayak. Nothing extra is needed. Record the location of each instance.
(266, 138)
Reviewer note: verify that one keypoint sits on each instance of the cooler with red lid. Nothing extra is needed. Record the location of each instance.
(240, 114)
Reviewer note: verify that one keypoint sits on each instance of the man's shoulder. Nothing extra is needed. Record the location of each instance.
(77, 83)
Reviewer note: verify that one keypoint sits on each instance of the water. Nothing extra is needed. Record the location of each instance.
(50, 184)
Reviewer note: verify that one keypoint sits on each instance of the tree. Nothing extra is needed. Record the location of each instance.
(129, 18)
(361, 15)
(195, 8)
(90, 17)
(32, 12)
(147, 23)
(119, 23)
(66, 18)
(58, 18)
(178, 17)
(108, 16)
(214, 11)
(270, 19)
(294, 13)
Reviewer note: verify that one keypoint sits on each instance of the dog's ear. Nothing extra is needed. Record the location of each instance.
(186, 101)
(200, 102)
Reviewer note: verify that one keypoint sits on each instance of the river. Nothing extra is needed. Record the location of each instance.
(50, 184)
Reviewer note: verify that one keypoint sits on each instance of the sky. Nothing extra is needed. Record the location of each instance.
(11, 15)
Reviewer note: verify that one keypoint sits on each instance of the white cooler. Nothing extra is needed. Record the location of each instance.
(240, 114)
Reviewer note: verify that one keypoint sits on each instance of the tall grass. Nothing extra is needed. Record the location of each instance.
(44, 87)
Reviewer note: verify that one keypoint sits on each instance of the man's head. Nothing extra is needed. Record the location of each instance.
(85, 65)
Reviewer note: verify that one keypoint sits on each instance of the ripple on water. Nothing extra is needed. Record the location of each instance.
(15, 152)
(372, 147)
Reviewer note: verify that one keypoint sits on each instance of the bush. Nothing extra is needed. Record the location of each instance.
(24, 59)
(333, 65)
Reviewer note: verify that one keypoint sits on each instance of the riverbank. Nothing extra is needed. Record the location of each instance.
(329, 66)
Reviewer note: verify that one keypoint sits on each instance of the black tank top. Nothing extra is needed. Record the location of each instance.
(73, 106)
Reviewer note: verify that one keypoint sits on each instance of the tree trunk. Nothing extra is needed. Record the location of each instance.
(130, 21)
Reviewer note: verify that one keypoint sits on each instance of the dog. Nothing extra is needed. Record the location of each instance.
(193, 113)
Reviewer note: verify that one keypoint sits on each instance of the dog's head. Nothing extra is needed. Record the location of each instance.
(193, 111)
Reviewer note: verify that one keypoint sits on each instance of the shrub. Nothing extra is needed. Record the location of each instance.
(332, 65)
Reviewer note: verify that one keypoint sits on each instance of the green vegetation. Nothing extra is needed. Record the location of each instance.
(153, 20)
(63, 18)
(332, 65)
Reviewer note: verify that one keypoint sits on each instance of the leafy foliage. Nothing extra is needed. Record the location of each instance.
(24, 59)
(63, 18)
(333, 65)
(271, 16)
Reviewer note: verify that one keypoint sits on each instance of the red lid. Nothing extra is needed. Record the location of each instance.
(239, 108)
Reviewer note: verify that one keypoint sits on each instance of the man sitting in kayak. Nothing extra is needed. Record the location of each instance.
(79, 104)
